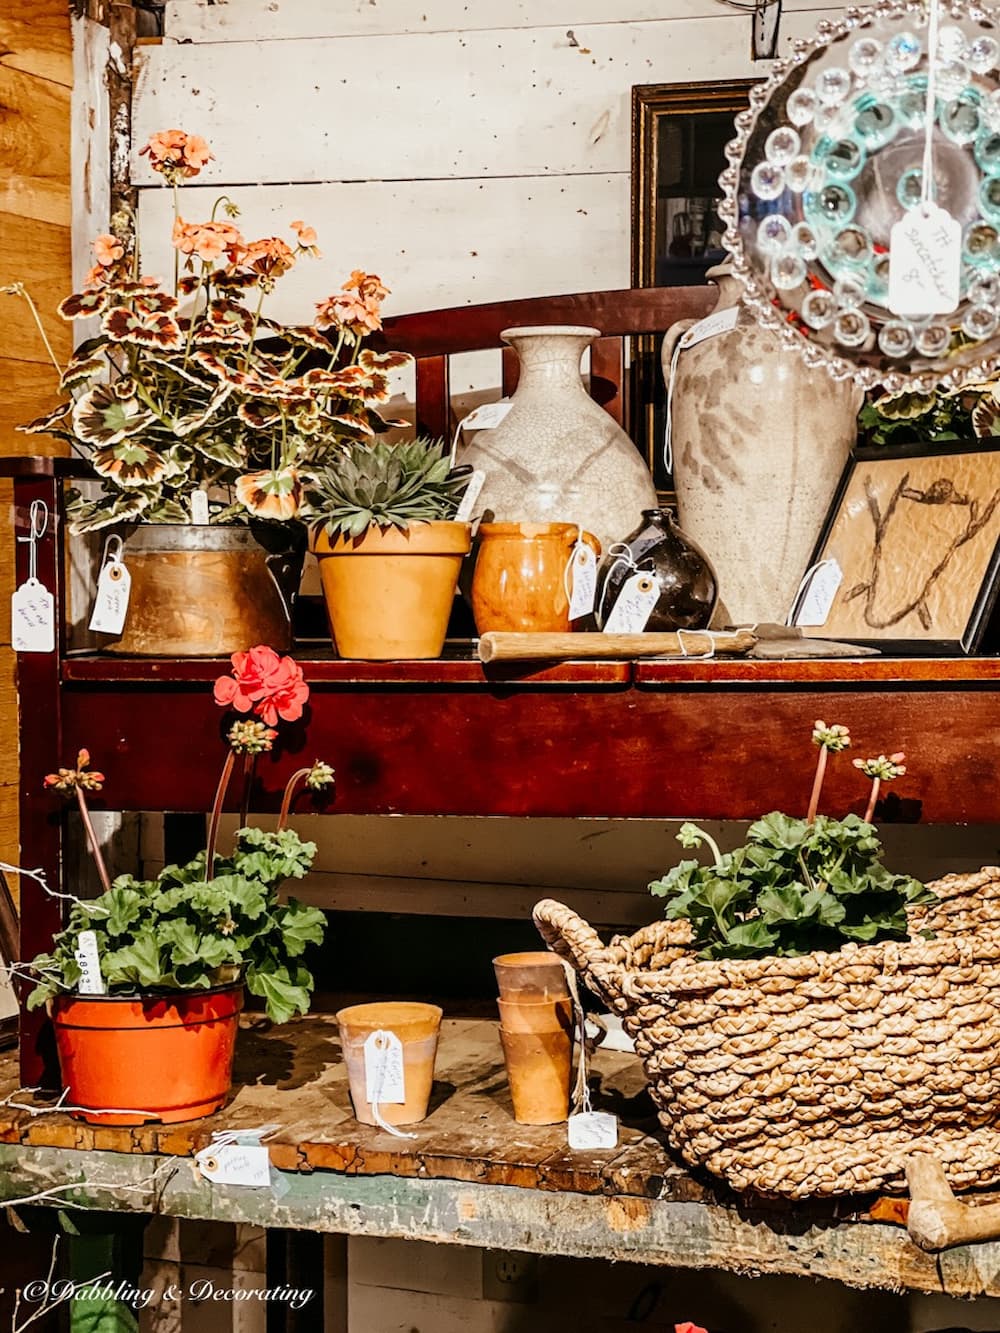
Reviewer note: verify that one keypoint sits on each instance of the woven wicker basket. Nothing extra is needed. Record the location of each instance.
(817, 1075)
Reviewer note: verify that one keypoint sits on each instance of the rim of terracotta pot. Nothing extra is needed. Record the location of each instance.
(446, 536)
(540, 330)
(529, 529)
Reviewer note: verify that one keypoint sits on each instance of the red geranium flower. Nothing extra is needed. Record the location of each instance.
(270, 685)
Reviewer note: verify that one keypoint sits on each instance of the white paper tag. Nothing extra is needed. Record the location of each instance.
(487, 416)
(593, 1129)
(583, 573)
(925, 263)
(91, 982)
(719, 321)
(470, 497)
(235, 1164)
(385, 1082)
(634, 605)
(32, 618)
(111, 603)
(816, 599)
(199, 507)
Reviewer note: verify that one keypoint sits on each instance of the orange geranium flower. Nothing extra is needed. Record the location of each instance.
(207, 240)
(369, 286)
(108, 250)
(177, 155)
(307, 235)
(356, 307)
(268, 259)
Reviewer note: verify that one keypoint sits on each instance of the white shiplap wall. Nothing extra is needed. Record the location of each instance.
(466, 150)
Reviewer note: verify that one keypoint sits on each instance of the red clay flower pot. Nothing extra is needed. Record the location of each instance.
(165, 1058)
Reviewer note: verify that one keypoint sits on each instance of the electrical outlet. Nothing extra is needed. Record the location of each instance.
(510, 1276)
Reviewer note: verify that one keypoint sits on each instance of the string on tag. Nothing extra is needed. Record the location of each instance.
(379, 1040)
(38, 525)
(581, 1089)
(115, 544)
(668, 432)
(568, 571)
(709, 652)
(927, 184)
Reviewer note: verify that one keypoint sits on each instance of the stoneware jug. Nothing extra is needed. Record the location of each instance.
(557, 456)
(521, 583)
(760, 441)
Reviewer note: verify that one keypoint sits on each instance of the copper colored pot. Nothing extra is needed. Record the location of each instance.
(520, 579)
(204, 591)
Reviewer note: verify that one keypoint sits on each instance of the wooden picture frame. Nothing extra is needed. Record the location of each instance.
(915, 532)
(679, 132)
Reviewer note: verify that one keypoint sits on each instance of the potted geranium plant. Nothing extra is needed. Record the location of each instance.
(390, 549)
(145, 983)
(202, 417)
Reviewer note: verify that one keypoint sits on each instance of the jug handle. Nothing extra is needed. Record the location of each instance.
(285, 569)
(671, 338)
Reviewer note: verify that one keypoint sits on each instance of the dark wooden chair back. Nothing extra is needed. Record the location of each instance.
(433, 336)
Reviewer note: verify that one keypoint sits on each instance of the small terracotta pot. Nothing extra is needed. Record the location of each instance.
(165, 1058)
(538, 1071)
(417, 1027)
(389, 593)
(519, 583)
(552, 1015)
(530, 976)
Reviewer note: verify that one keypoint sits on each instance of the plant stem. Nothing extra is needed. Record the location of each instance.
(286, 800)
(870, 812)
(177, 253)
(22, 291)
(817, 785)
(253, 330)
(249, 765)
(713, 845)
(213, 828)
(95, 846)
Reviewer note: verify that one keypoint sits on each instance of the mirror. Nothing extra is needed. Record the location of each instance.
(679, 135)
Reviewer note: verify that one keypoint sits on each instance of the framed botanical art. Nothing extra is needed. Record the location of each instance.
(910, 555)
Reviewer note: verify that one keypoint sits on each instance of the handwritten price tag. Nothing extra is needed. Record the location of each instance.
(385, 1081)
(111, 603)
(235, 1164)
(476, 482)
(817, 597)
(89, 961)
(719, 321)
(487, 416)
(583, 573)
(593, 1129)
(32, 618)
(634, 605)
(925, 263)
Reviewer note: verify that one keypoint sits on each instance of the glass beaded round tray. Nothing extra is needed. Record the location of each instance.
(830, 155)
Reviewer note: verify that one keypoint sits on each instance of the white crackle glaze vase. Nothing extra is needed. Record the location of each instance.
(558, 457)
(759, 442)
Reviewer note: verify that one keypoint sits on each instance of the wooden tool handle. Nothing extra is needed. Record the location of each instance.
(499, 646)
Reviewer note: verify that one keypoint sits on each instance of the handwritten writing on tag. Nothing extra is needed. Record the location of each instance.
(111, 603)
(487, 416)
(199, 507)
(634, 605)
(235, 1164)
(593, 1129)
(925, 263)
(719, 321)
(385, 1081)
(583, 573)
(816, 599)
(476, 481)
(33, 618)
(89, 961)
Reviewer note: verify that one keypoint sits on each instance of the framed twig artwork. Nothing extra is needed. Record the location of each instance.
(910, 555)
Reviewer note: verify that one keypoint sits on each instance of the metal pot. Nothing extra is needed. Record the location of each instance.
(202, 591)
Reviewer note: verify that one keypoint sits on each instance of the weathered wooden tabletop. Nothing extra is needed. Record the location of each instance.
(471, 1175)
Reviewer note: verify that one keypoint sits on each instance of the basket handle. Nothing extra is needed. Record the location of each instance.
(569, 936)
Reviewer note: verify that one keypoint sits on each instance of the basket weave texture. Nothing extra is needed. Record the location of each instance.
(817, 1075)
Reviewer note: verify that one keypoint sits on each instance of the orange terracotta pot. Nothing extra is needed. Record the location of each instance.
(164, 1058)
(552, 1015)
(389, 593)
(519, 583)
(538, 1071)
(417, 1027)
(530, 976)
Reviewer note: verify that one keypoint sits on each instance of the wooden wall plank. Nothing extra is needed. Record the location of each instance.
(27, 388)
(34, 147)
(38, 254)
(91, 155)
(268, 20)
(436, 243)
(487, 103)
(35, 38)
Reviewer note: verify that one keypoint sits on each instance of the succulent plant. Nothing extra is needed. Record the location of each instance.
(386, 485)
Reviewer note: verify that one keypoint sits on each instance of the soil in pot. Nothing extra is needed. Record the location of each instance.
(389, 593)
(127, 1060)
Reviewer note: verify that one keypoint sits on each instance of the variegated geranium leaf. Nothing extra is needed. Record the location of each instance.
(81, 305)
(219, 450)
(89, 515)
(370, 360)
(152, 329)
(129, 463)
(986, 417)
(258, 413)
(101, 417)
(192, 421)
(43, 424)
(271, 494)
(83, 371)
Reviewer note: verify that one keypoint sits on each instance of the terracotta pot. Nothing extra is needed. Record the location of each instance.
(552, 1015)
(538, 1071)
(520, 578)
(164, 1058)
(557, 454)
(388, 593)
(417, 1027)
(760, 441)
(530, 976)
(203, 591)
